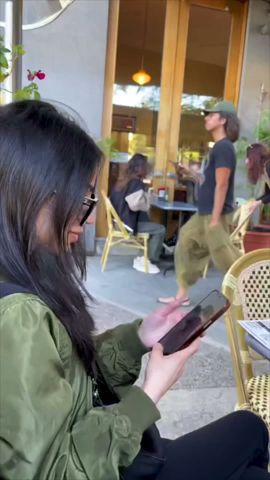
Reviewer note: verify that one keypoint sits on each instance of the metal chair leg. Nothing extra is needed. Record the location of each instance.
(145, 241)
(206, 268)
(105, 253)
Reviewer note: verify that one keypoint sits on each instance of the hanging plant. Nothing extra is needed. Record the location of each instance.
(8, 59)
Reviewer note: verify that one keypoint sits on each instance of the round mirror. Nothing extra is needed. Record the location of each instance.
(37, 13)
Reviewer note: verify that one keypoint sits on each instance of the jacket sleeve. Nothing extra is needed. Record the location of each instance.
(120, 352)
(40, 438)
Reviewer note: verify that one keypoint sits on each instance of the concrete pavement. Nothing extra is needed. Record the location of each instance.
(206, 390)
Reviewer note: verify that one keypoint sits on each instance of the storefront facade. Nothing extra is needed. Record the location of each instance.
(196, 52)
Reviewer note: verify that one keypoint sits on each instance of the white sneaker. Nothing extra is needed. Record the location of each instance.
(138, 264)
(169, 249)
(139, 261)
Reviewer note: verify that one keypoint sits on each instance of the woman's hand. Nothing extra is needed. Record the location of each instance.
(253, 206)
(182, 169)
(159, 322)
(163, 371)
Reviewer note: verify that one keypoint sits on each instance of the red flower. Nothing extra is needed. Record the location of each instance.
(40, 75)
(31, 75)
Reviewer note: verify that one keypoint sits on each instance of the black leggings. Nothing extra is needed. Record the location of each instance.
(232, 448)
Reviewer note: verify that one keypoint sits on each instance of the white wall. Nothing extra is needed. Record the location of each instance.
(256, 67)
(72, 52)
(256, 70)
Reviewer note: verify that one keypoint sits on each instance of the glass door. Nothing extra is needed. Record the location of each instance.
(207, 50)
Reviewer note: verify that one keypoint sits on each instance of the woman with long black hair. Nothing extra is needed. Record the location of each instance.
(68, 406)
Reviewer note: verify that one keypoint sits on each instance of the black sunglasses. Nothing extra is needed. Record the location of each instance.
(89, 204)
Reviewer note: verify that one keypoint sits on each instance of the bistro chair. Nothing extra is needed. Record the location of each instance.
(247, 286)
(241, 219)
(119, 233)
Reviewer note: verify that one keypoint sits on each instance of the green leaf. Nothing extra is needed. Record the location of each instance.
(29, 92)
(21, 94)
(3, 77)
(106, 145)
(18, 50)
(262, 130)
(3, 61)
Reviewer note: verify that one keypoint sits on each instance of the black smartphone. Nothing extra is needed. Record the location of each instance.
(195, 322)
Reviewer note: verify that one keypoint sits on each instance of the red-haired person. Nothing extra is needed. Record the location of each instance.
(258, 171)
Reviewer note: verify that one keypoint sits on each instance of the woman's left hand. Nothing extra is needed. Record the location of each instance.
(159, 322)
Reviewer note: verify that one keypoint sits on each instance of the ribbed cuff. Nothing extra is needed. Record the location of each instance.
(140, 409)
(131, 340)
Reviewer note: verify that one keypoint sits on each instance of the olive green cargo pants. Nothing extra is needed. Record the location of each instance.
(198, 243)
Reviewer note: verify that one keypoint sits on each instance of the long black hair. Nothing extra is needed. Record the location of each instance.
(44, 155)
(231, 126)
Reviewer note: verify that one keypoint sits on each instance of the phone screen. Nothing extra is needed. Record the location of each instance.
(195, 322)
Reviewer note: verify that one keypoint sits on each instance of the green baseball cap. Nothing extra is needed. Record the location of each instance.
(224, 106)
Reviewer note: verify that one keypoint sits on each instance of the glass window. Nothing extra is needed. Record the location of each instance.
(204, 78)
(136, 107)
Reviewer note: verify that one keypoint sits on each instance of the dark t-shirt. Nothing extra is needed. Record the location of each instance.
(222, 155)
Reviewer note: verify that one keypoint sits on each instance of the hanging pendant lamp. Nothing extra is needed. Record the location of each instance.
(142, 77)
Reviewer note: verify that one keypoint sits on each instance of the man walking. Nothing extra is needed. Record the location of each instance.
(207, 233)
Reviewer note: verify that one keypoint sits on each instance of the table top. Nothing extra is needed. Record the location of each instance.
(173, 206)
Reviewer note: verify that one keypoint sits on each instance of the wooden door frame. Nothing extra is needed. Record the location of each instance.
(172, 79)
(106, 126)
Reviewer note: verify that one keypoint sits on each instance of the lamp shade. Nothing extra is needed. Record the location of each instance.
(141, 77)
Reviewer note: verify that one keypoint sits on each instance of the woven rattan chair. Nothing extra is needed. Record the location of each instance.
(247, 286)
(241, 221)
(118, 233)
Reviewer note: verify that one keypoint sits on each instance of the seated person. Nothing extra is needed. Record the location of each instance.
(132, 202)
(258, 171)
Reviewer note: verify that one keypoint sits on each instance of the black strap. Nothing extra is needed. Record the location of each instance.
(7, 289)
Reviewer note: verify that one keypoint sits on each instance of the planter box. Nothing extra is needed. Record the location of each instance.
(256, 240)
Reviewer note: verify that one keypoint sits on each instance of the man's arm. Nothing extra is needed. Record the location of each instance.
(188, 174)
(222, 183)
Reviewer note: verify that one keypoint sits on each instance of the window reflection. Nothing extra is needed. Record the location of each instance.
(136, 108)
(204, 78)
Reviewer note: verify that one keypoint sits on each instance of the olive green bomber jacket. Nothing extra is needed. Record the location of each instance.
(49, 429)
